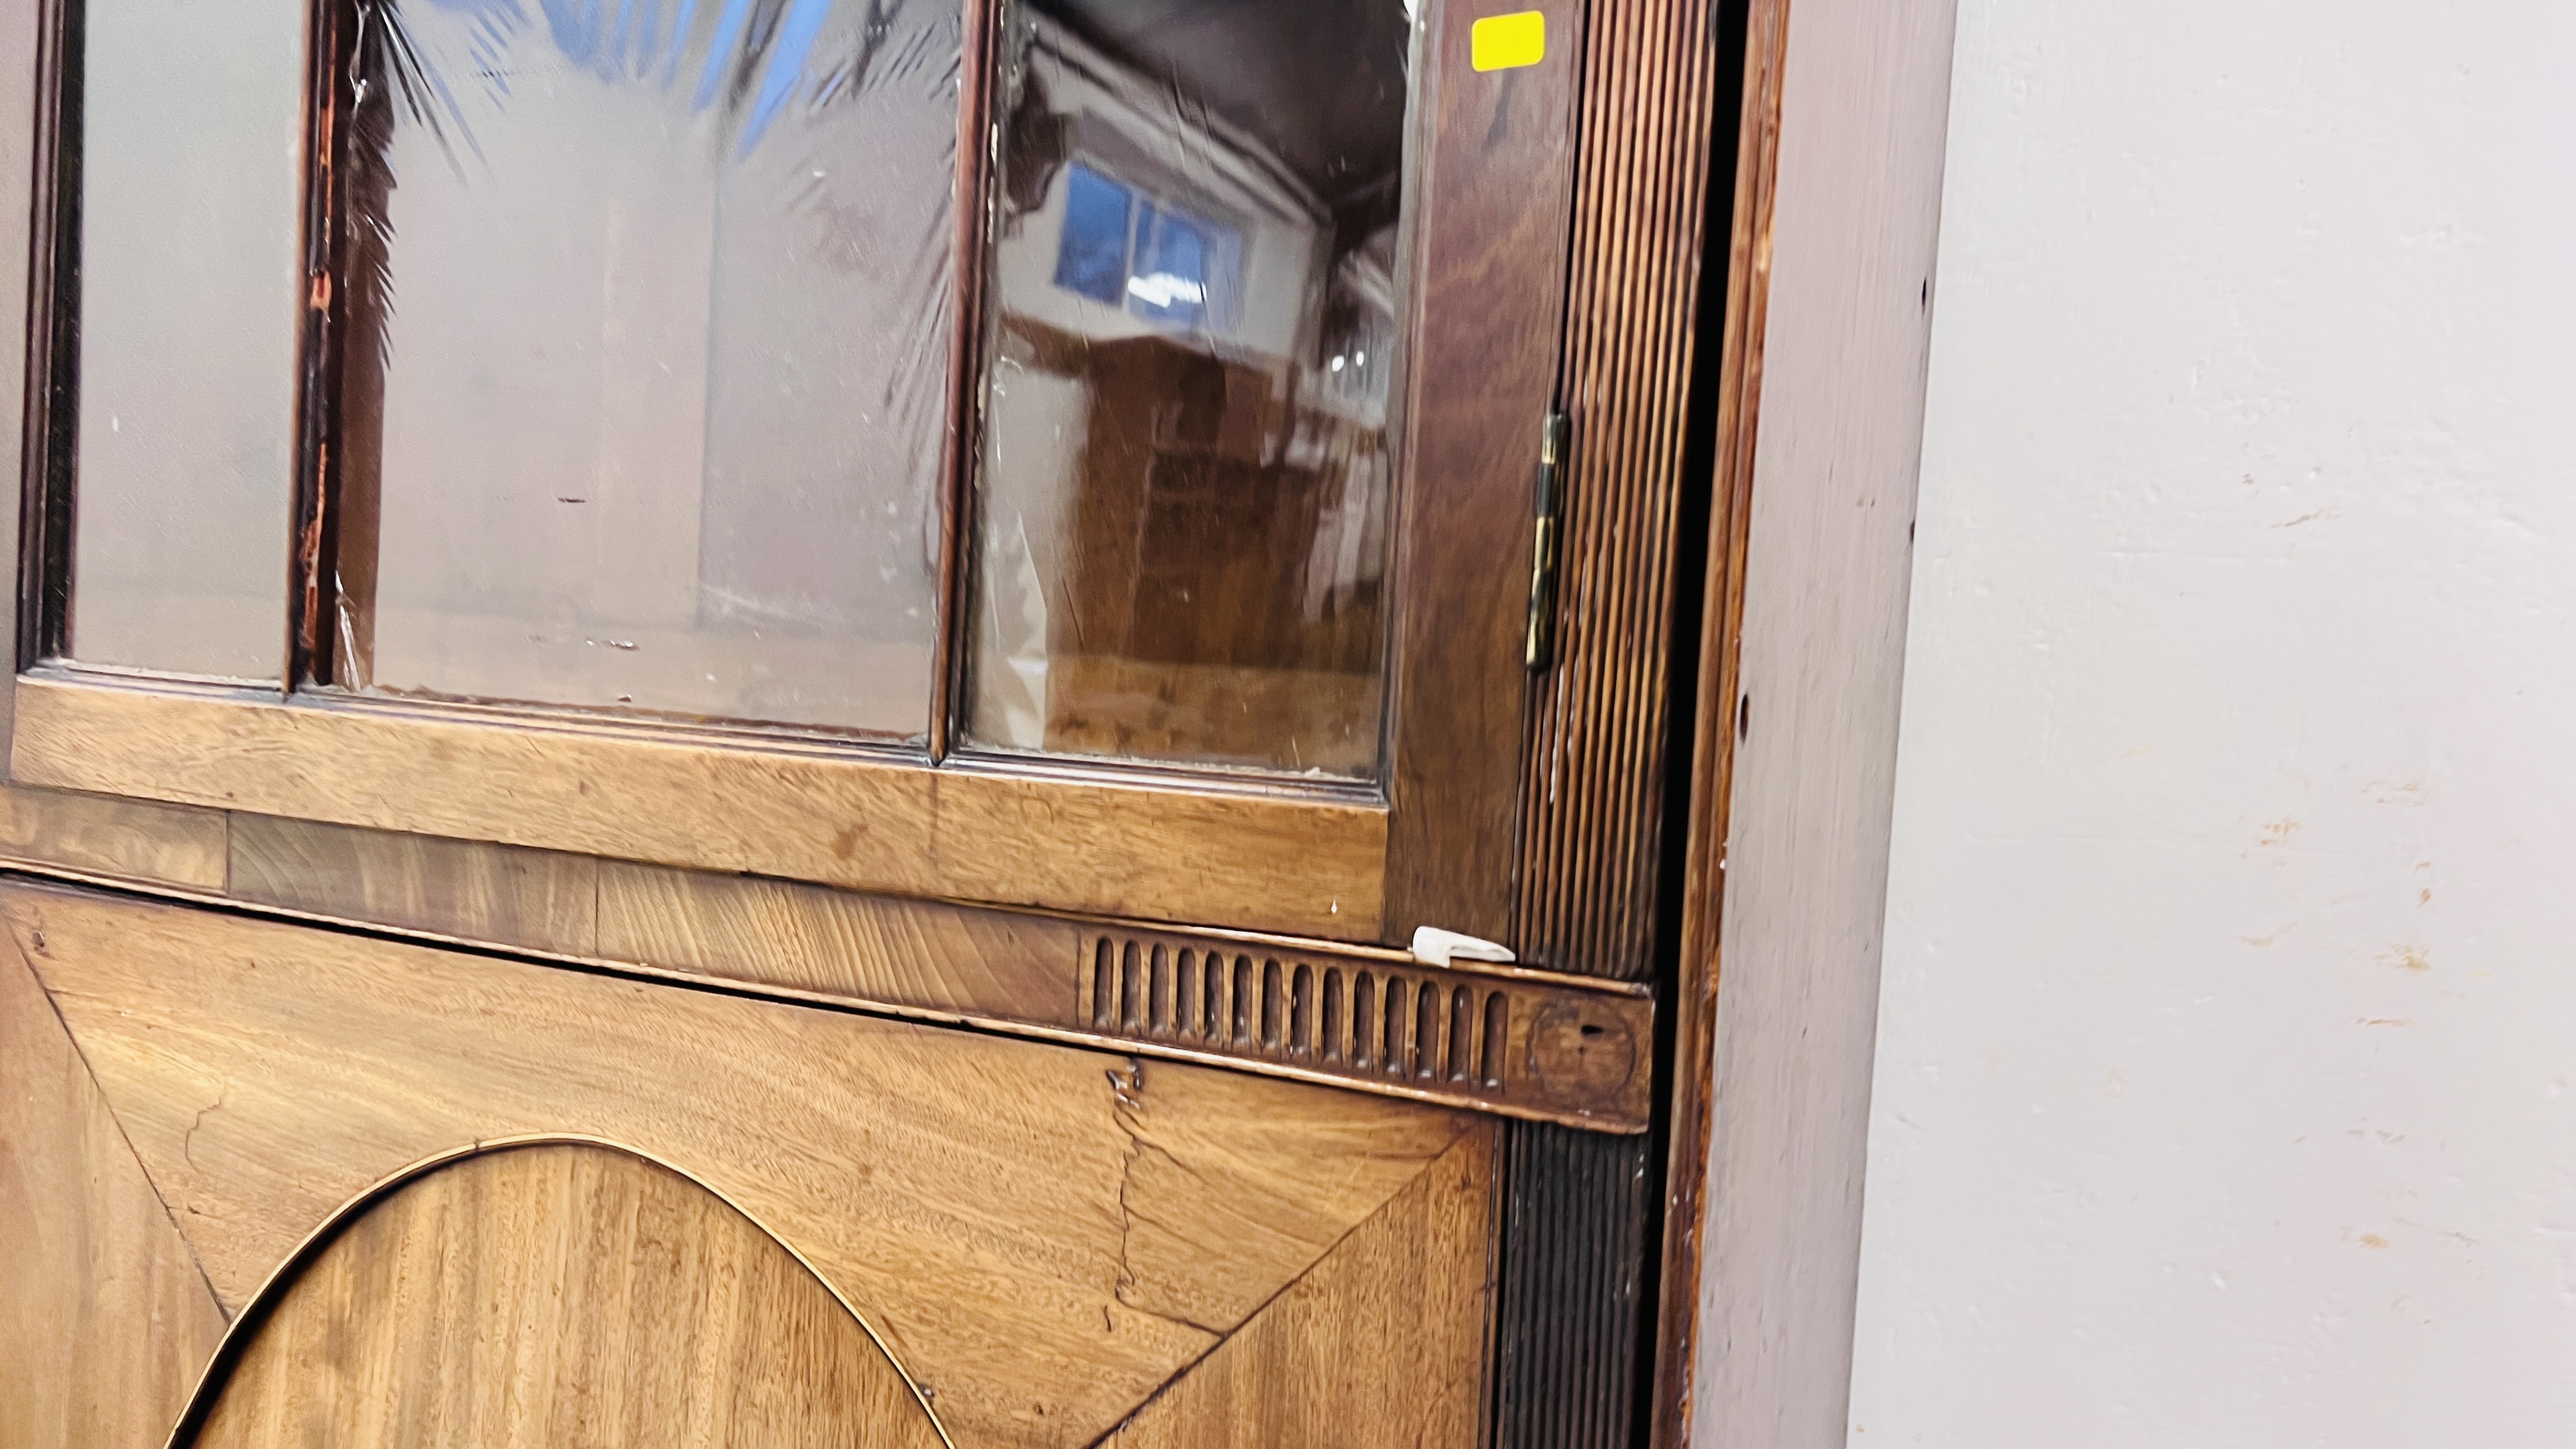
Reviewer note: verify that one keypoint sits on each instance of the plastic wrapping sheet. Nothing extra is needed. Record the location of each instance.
(640, 370)
(647, 362)
(191, 150)
(1186, 465)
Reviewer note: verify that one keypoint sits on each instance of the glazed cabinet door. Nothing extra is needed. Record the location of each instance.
(736, 719)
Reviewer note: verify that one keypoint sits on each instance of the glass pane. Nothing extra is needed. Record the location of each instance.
(1092, 257)
(191, 271)
(1183, 493)
(646, 369)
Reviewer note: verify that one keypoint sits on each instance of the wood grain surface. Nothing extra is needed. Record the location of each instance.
(1490, 275)
(1601, 719)
(507, 895)
(1268, 861)
(866, 947)
(1715, 719)
(139, 839)
(1379, 1346)
(1546, 1046)
(1044, 1235)
(556, 1295)
(105, 1320)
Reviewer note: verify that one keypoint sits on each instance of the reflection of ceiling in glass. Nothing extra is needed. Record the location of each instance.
(754, 58)
(1321, 80)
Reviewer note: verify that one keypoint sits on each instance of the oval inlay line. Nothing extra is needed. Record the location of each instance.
(544, 1290)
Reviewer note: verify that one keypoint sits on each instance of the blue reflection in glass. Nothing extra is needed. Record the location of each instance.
(1092, 256)
(1170, 284)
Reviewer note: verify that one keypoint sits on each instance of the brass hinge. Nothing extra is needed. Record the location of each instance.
(1538, 648)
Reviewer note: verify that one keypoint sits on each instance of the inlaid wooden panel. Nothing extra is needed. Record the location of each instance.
(104, 1318)
(105, 835)
(555, 1295)
(887, 949)
(507, 895)
(1379, 1346)
(1533, 1044)
(1044, 1235)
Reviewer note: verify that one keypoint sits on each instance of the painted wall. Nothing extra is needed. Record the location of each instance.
(2226, 1076)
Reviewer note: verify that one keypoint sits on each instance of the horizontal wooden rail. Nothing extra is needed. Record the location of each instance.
(1501, 1039)
(1278, 860)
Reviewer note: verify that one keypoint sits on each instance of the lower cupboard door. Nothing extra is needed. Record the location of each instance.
(265, 1184)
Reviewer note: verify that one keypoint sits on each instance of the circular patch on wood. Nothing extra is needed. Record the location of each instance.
(1582, 1054)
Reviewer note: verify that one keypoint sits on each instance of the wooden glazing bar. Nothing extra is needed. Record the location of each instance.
(977, 146)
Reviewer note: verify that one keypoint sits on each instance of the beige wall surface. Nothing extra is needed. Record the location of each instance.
(2226, 1085)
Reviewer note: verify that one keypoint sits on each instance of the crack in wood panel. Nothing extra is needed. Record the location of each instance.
(105, 1317)
(1380, 1345)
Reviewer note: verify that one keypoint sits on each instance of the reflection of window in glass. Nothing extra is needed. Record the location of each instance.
(1092, 258)
(1162, 263)
(1184, 486)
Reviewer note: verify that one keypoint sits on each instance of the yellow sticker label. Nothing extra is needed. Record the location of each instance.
(1506, 42)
